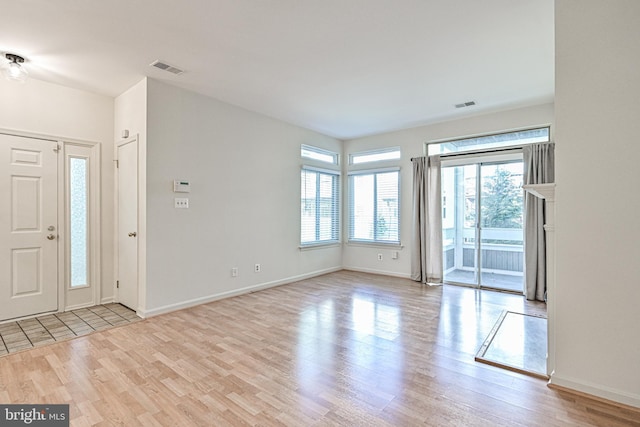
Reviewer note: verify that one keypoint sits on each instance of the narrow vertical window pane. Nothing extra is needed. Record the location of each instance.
(319, 219)
(363, 214)
(387, 207)
(308, 206)
(78, 206)
(327, 208)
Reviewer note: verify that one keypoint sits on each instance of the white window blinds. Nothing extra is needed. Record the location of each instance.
(374, 206)
(319, 206)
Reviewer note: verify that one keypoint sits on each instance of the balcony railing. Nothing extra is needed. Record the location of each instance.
(502, 256)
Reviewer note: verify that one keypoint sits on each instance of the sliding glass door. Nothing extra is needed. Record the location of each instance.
(482, 223)
(459, 231)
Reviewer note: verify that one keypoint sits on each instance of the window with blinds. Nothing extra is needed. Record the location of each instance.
(319, 206)
(374, 206)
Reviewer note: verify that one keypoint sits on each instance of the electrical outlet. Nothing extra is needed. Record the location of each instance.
(181, 203)
(257, 268)
(394, 255)
(234, 272)
(379, 257)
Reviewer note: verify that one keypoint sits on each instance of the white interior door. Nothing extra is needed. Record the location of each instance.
(127, 155)
(29, 226)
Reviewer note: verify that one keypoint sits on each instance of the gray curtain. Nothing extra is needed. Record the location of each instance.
(426, 242)
(538, 169)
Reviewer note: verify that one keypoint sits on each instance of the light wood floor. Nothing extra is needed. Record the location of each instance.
(341, 349)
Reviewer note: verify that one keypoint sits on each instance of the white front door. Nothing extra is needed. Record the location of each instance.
(127, 155)
(28, 226)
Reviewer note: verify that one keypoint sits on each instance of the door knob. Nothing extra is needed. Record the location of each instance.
(133, 234)
(51, 237)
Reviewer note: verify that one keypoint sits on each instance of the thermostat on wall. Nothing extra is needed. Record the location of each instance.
(181, 186)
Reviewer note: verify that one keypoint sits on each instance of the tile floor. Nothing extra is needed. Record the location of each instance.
(49, 328)
(517, 342)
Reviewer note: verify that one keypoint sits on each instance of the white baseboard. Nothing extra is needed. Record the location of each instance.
(107, 300)
(215, 297)
(596, 390)
(381, 272)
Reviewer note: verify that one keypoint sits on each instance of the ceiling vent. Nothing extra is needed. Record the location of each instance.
(166, 67)
(466, 104)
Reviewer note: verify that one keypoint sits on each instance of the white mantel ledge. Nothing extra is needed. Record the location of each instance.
(542, 191)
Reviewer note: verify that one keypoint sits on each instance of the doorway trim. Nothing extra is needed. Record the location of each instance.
(92, 153)
(478, 162)
(95, 241)
(139, 309)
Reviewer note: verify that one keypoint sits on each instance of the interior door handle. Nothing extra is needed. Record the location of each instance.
(51, 237)
(133, 234)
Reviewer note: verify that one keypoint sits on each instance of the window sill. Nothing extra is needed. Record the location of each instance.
(374, 244)
(318, 246)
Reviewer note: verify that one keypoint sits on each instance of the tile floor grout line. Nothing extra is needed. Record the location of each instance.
(110, 311)
(100, 316)
(82, 320)
(25, 334)
(46, 329)
(117, 314)
(65, 324)
(4, 343)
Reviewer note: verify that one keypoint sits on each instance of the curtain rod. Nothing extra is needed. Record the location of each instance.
(466, 153)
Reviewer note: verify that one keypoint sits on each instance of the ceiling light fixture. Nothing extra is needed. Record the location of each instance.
(14, 70)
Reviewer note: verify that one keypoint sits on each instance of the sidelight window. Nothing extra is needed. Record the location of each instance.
(78, 218)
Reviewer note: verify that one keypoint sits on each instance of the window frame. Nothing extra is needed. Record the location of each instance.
(351, 190)
(89, 293)
(336, 211)
(496, 146)
(85, 246)
(353, 156)
(320, 151)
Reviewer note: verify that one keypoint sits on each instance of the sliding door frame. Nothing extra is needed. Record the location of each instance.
(497, 157)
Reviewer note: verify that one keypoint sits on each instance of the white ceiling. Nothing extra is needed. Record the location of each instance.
(346, 68)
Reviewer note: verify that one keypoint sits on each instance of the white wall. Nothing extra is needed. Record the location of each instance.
(244, 170)
(598, 199)
(131, 112)
(52, 110)
(411, 143)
